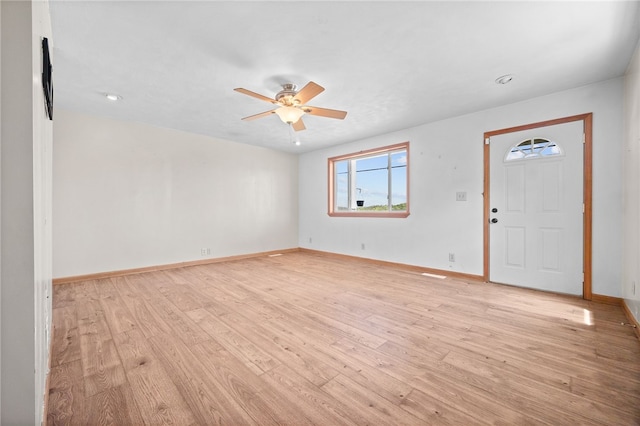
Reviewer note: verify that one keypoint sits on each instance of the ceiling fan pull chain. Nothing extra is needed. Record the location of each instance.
(292, 134)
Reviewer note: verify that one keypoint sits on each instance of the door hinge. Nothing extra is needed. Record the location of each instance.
(583, 209)
(486, 141)
(583, 138)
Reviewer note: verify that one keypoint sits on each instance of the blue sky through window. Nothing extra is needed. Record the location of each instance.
(372, 180)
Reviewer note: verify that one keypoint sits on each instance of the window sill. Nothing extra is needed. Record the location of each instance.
(370, 214)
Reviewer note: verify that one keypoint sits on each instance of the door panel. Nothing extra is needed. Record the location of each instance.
(515, 246)
(551, 181)
(550, 253)
(537, 240)
(515, 189)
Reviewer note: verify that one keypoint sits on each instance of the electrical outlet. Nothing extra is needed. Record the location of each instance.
(461, 196)
(452, 257)
(362, 246)
(310, 240)
(203, 252)
(208, 251)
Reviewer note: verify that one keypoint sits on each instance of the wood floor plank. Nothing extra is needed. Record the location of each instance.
(84, 290)
(146, 319)
(105, 288)
(66, 339)
(156, 396)
(400, 336)
(513, 345)
(179, 322)
(101, 365)
(306, 328)
(64, 295)
(295, 356)
(395, 367)
(145, 285)
(115, 406)
(208, 402)
(184, 299)
(434, 412)
(261, 401)
(117, 315)
(318, 406)
(475, 401)
(185, 296)
(254, 356)
(361, 336)
(557, 378)
(91, 320)
(390, 388)
(305, 339)
(614, 397)
(66, 395)
(365, 405)
(539, 399)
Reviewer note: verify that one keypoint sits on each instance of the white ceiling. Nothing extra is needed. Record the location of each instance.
(391, 65)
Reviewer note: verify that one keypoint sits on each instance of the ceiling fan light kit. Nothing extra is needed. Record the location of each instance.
(292, 104)
(289, 114)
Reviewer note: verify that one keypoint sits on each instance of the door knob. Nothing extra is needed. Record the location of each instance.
(494, 210)
(494, 220)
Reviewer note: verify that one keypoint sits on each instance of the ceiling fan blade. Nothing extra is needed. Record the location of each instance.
(262, 114)
(255, 95)
(308, 92)
(298, 125)
(325, 112)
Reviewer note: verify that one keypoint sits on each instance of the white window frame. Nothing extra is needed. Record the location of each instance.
(354, 212)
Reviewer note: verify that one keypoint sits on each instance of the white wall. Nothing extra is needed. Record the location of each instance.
(129, 195)
(42, 203)
(446, 157)
(631, 222)
(25, 219)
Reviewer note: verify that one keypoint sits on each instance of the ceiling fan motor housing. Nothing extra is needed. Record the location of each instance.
(286, 95)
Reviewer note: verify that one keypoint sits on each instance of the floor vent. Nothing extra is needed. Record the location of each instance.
(442, 277)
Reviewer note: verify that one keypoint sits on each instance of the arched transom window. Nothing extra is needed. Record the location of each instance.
(533, 148)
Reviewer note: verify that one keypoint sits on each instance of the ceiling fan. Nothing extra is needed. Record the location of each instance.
(292, 104)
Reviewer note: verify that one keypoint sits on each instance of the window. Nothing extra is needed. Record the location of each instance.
(533, 148)
(372, 183)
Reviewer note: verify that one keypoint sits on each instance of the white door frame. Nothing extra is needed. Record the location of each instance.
(587, 120)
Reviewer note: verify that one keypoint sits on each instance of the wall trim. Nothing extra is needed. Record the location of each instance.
(631, 318)
(413, 268)
(606, 300)
(617, 301)
(123, 272)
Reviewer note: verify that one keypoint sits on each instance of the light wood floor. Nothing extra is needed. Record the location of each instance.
(305, 339)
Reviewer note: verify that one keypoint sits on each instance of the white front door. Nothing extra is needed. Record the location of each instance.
(536, 204)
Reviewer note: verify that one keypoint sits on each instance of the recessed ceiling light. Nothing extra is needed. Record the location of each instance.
(113, 97)
(504, 79)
